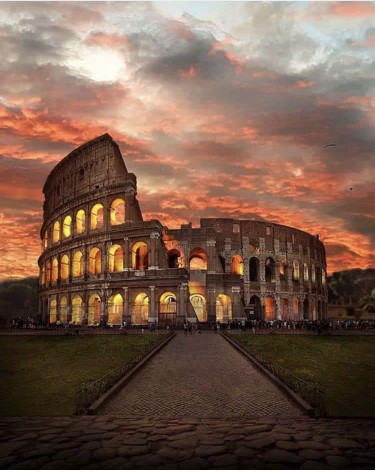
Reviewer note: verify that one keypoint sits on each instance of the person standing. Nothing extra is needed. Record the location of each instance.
(185, 328)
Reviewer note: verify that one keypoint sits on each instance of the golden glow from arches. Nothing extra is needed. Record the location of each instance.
(53, 311)
(63, 310)
(198, 259)
(295, 270)
(77, 269)
(95, 261)
(117, 212)
(45, 240)
(94, 308)
(43, 275)
(199, 304)
(284, 308)
(296, 308)
(77, 310)
(223, 308)
(140, 309)
(313, 274)
(48, 272)
(56, 232)
(80, 221)
(64, 269)
(269, 304)
(115, 258)
(237, 265)
(305, 273)
(140, 256)
(97, 216)
(55, 269)
(67, 226)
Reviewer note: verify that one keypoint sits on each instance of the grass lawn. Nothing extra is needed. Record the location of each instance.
(39, 375)
(343, 366)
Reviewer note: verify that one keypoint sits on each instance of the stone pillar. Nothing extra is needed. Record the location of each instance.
(69, 310)
(262, 271)
(237, 311)
(182, 303)
(104, 250)
(58, 304)
(154, 242)
(277, 307)
(126, 314)
(211, 257)
(152, 316)
(86, 252)
(211, 314)
(127, 258)
(103, 311)
(84, 313)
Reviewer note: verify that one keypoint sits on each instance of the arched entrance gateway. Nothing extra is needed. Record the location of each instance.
(140, 310)
(284, 309)
(94, 308)
(255, 308)
(167, 309)
(269, 307)
(223, 308)
(115, 310)
(199, 304)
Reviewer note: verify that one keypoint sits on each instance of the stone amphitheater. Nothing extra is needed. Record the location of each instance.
(102, 264)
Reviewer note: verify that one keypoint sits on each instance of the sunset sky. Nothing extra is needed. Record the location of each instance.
(220, 109)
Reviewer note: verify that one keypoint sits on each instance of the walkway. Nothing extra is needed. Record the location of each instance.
(200, 376)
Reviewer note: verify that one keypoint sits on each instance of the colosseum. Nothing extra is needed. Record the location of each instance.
(101, 264)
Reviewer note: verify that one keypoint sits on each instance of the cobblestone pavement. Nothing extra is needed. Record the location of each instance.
(200, 376)
(112, 442)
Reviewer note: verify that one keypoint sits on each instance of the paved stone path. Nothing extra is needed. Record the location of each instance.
(112, 442)
(200, 376)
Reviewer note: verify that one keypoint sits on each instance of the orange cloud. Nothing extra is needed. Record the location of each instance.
(353, 9)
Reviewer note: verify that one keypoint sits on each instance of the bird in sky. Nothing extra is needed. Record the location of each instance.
(329, 145)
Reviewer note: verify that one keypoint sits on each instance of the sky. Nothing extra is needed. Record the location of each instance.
(221, 109)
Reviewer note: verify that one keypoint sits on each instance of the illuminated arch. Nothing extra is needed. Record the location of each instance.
(140, 309)
(198, 259)
(270, 270)
(80, 221)
(115, 258)
(284, 308)
(77, 269)
(77, 310)
(295, 270)
(199, 304)
(295, 308)
(67, 226)
(95, 261)
(56, 232)
(305, 273)
(94, 309)
(117, 212)
(45, 239)
(140, 256)
(174, 259)
(323, 277)
(64, 269)
(237, 265)
(55, 269)
(254, 269)
(97, 216)
(167, 308)
(43, 275)
(313, 310)
(48, 272)
(63, 309)
(223, 308)
(283, 270)
(53, 311)
(313, 273)
(269, 305)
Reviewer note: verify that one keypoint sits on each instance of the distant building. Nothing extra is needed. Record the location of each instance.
(101, 263)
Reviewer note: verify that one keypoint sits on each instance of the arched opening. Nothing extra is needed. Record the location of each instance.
(94, 308)
(306, 309)
(295, 271)
(269, 304)
(140, 256)
(305, 273)
(199, 304)
(284, 309)
(67, 226)
(80, 221)
(64, 269)
(117, 212)
(167, 308)
(319, 310)
(198, 259)
(115, 258)
(45, 239)
(53, 311)
(237, 265)
(173, 258)
(97, 216)
(313, 273)
(140, 309)
(115, 310)
(63, 310)
(254, 269)
(323, 277)
(223, 308)
(270, 270)
(77, 310)
(42, 275)
(55, 269)
(283, 270)
(296, 308)
(313, 309)
(256, 305)
(56, 232)
(77, 269)
(95, 261)
(48, 272)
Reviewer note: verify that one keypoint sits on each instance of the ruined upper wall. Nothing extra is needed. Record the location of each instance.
(96, 164)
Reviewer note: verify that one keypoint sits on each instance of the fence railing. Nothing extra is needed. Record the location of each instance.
(91, 391)
(309, 391)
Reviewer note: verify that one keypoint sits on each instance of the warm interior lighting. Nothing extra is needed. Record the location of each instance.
(198, 259)
(97, 216)
(140, 309)
(269, 308)
(56, 232)
(140, 256)
(199, 304)
(237, 265)
(77, 310)
(117, 212)
(64, 270)
(223, 308)
(67, 226)
(77, 268)
(94, 308)
(64, 310)
(115, 309)
(95, 261)
(55, 269)
(115, 258)
(53, 311)
(80, 221)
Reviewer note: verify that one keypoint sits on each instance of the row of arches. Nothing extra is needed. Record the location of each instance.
(307, 310)
(317, 274)
(96, 221)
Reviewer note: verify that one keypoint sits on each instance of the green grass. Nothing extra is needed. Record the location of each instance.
(343, 366)
(39, 375)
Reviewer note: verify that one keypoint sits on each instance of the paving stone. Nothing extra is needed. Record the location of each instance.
(313, 465)
(311, 454)
(134, 441)
(206, 451)
(282, 457)
(47, 437)
(146, 461)
(36, 463)
(104, 453)
(244, 452)
(226, 460)
(45, 450)
(194, 464)
(339, 462)
(211, 442)
(362, 461)
(56, 465)
(281, 437)
(174, 454)
(343, 443)
(127, 451)
(6, 449)
(187, 443)
(65, 454)
(260, 443)
(311, 445)
(91, 446)
(288, 445)
(82, 458)
(7, 461)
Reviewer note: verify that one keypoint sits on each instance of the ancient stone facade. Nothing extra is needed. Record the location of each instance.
(101, 263)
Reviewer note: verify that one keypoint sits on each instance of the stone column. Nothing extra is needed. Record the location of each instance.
(262, 271)
(86, 252)
(58, 306)
(104, 250)
(182, 303)
(277, 307)
(211, 257)
(103, 311)
(69, 309)
(84, 313)
(152, 316)
(211, 318)
(236, 303)
(126, 314)
(127, 258)
(154, 242)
